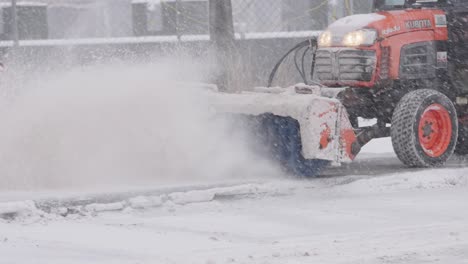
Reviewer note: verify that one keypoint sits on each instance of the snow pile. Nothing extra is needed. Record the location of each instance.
(118, 125)
(19, 209)
(95, 207)
(142, 202)
(192, 197)
(419, 180)
(92, 206)
(174, 199)
(240, 191)
(425, 179)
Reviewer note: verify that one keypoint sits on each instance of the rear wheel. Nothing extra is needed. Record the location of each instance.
(462, 143)
(424, 128)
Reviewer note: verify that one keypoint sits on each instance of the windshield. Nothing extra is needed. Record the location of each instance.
(389, 4)
(394, 2)
(397, 4)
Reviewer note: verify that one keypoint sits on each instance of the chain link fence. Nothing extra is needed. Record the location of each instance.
(71, 19)
(292, 20)
(292, 15)
(279, 15)
(264, 29)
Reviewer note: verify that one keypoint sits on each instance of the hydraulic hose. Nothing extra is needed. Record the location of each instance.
(306, 43)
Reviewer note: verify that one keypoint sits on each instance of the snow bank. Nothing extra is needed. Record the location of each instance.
(417, 180)
(12, 210)
(104, 207)
(142, 202)
(192, 196)
(16, 207)
(169, 201)
(232, 192)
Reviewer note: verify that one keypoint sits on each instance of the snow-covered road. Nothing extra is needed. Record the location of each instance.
(141, 173)
(374, 215)
(391, 219)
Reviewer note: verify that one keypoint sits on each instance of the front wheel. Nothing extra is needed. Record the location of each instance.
(424, 128)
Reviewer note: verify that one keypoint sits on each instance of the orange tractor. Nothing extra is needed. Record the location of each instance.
(405, 65)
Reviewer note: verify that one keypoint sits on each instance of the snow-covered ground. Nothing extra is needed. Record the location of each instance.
(375, 214)
(112, 164)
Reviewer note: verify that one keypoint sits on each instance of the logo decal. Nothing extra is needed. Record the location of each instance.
(416, 24)
(390, 30)
(442, 59)
(440, 20)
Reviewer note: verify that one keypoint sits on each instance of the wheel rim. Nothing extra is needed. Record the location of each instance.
(435, 130)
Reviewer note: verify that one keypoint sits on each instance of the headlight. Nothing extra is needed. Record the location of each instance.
(325, 39)
(360, 37)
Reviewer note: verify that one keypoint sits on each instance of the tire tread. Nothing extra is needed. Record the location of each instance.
(402, 133)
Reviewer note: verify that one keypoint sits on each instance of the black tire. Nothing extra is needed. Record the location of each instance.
(405, 130)
(462, 143)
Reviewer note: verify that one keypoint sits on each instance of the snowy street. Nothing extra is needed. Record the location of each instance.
(106, 183)
(404, 217)
(233, 132)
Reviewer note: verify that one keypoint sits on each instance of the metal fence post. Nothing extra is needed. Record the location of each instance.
(15, 35)
(178, 14)
(223, 38)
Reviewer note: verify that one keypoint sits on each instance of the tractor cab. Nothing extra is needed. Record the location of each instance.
(456, 12)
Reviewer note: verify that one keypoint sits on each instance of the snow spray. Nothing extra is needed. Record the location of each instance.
(117, 124)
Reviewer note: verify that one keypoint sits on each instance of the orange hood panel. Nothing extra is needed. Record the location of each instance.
(390, 23)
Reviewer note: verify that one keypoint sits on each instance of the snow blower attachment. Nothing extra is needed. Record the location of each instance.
(404, 66)
(304, 128)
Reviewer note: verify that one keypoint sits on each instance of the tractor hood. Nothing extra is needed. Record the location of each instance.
(355, 22)
(387, 23)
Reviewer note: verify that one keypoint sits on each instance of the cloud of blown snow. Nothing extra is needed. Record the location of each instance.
(117, 124)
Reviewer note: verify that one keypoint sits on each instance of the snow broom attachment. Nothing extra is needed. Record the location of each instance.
(304, 128)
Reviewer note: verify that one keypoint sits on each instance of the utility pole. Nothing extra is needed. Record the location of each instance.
(222, 35)
(14, 20)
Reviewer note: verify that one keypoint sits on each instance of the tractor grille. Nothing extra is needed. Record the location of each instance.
(344, 65)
